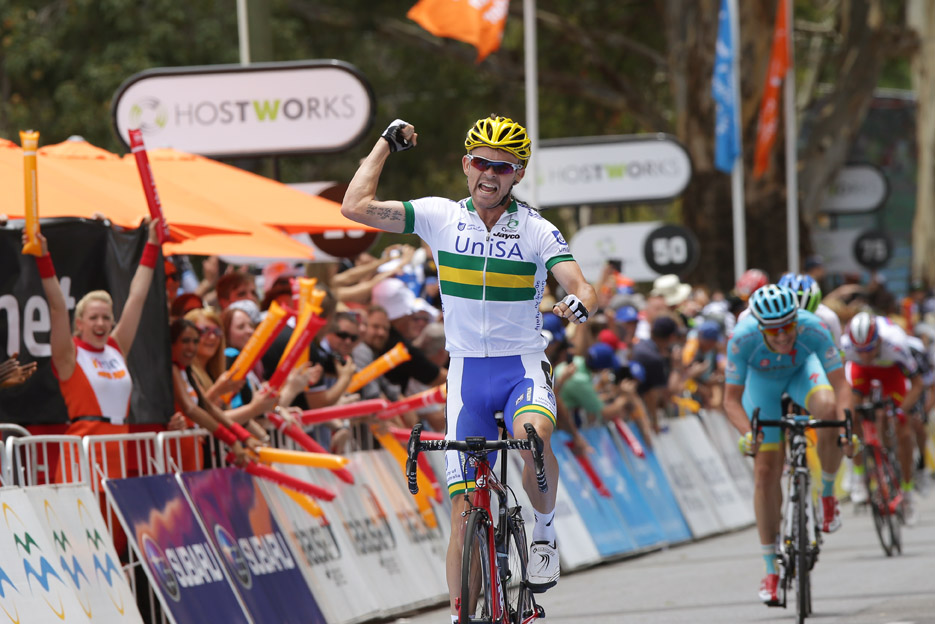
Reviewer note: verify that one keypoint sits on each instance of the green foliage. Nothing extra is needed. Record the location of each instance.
(64, 59)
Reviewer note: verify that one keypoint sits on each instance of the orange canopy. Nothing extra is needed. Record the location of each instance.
(243, 193)
(77, 179)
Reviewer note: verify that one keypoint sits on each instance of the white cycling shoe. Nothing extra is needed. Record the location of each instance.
(859, 494)
(544, 568)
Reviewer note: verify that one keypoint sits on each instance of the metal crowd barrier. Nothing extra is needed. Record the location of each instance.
(38, 460)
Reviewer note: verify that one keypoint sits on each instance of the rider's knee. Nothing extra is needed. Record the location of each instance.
(822, 405)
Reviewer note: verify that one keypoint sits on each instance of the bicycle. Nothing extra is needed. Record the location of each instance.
(881, 474)
(801, 538)
(494, 587)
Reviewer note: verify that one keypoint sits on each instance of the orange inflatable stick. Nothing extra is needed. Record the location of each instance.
(259, 341)
(380, 366)
(305, 502)
(30, 142)
(269, 455)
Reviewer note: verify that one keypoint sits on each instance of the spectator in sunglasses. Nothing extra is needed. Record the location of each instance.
(333, 352)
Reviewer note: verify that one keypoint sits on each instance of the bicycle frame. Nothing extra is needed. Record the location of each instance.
(486, 481)
(798, 556)
(498, 538)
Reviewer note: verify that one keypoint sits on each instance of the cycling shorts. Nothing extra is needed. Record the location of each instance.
(480, 387)
(766, 393)
(890, 377)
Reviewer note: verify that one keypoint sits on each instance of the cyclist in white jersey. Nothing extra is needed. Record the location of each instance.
(493, 255)
(876, 349)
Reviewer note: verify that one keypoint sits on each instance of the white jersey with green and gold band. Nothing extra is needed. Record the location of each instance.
(491, 282)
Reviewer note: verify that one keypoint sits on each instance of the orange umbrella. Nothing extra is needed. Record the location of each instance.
(77, 179)
(246, 194)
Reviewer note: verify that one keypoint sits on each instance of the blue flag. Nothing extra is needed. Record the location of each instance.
(726, 100)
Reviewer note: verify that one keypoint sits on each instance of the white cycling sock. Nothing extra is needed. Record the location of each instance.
(544, 529)
(454, 619)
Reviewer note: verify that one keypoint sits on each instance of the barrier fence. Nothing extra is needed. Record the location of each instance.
(221, 544)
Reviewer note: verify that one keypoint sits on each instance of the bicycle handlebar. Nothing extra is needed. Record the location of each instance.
(474, 445)
(793, 422)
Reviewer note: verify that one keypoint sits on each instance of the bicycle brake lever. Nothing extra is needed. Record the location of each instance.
(412, 465)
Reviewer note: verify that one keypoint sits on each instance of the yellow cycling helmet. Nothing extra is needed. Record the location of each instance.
(500, 133)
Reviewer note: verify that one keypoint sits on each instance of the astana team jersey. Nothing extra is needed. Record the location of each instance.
(491, 282)
(747, 351)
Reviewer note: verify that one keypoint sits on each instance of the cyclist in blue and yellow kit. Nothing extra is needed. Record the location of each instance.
(780, 349)
(493, 255)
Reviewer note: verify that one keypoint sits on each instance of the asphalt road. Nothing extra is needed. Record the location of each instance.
(716, 580)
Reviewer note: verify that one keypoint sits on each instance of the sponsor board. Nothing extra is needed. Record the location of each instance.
(423, 541)
(33, 587)
(324, 550)
(71, 518)
(640, 523)
(261, 109)
(251, 546)
(620, 169)
(655, 489)
(178, 557)
(603, 521)
(686, 485)
(719, 488)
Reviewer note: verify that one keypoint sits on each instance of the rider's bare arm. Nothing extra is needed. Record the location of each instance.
(360, 202)
(734, 407)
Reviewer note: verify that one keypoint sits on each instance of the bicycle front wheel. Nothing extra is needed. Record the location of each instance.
(800, 532)
(519, 602)
(478, 591)
(880, 490)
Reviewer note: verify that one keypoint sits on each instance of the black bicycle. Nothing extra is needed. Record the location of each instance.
(494, 588)
(801, 526)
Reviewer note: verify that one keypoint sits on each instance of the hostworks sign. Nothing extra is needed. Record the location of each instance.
(255, 110)
(619, 169)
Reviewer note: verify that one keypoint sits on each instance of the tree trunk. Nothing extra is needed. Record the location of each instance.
(922, 19)
(706, 206)
(841, 113)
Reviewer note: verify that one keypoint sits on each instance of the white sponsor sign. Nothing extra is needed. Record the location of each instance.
(83, 551)
(594, 245)
(837, 249)
(637, 168)
(261, 109)
(687, 485)
(35, 587)
(719, 488)
(858, 188)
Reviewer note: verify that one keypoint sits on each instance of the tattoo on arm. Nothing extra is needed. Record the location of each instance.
(382, 212)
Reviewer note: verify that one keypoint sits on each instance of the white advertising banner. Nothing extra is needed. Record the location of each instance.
(71, 518)
(423, 540)
(325, 553)
(259, 109)
(623, 169)
(837, 249)
(724, 437)
(687, 485)
(36, 589)
(858, 188)
(594, 245)
(733, 511)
